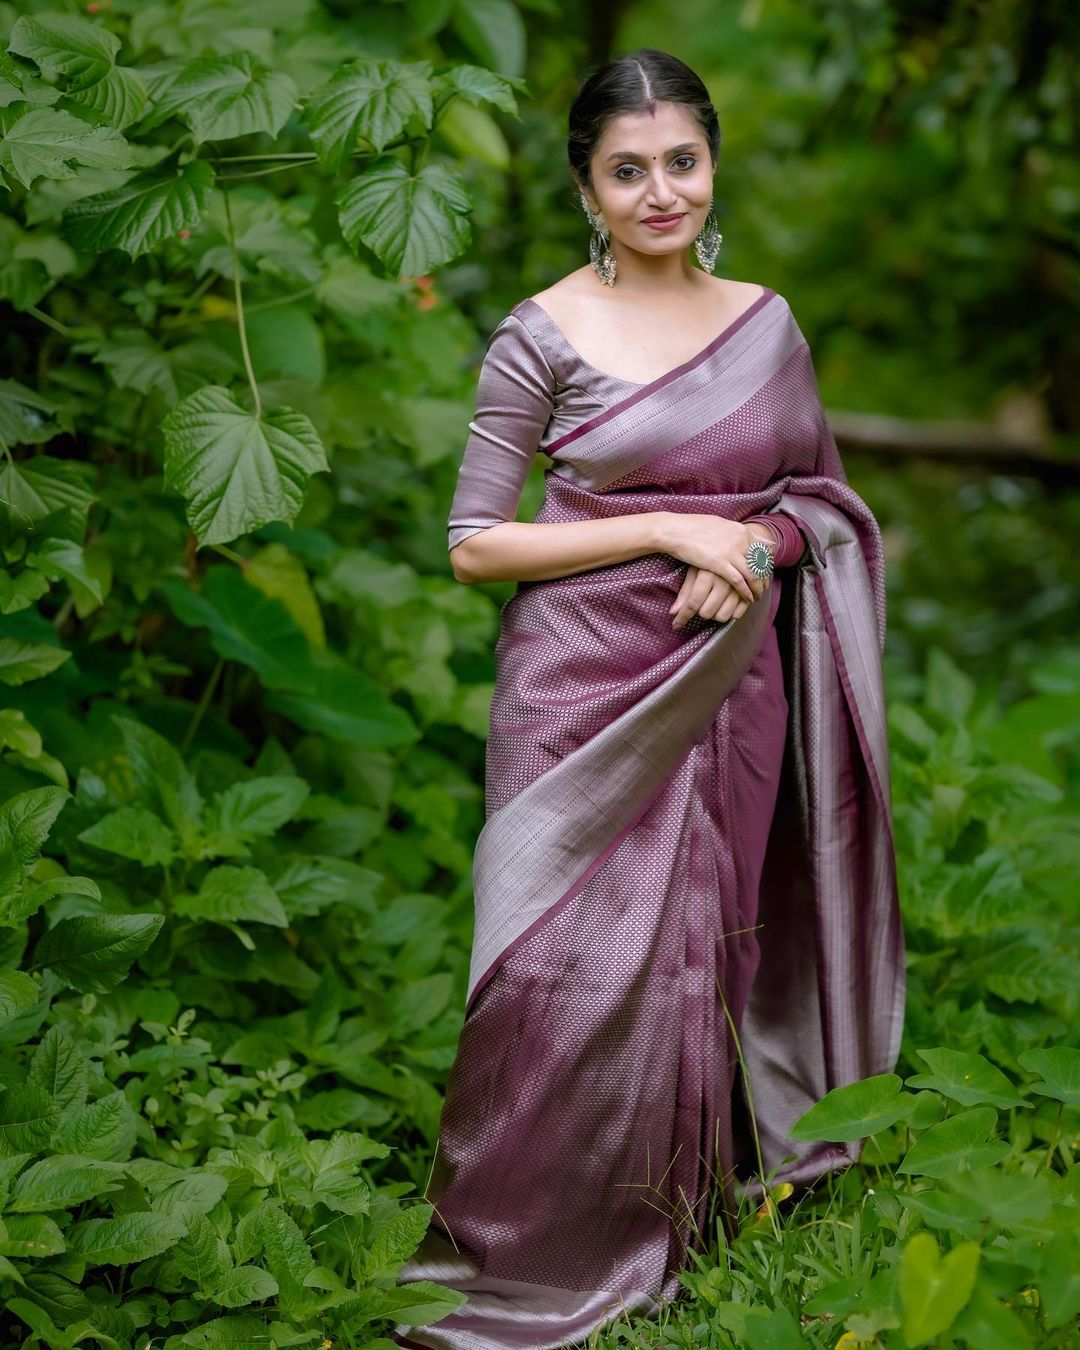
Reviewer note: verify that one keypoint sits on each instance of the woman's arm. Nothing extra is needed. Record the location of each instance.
(517, 551)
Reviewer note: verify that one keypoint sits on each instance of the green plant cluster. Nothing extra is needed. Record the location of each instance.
(213, 1012)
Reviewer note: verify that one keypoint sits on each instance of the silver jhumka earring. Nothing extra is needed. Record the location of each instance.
(707, 243)
(599, 254)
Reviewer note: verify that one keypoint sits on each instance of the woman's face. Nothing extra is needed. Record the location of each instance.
(654, 164)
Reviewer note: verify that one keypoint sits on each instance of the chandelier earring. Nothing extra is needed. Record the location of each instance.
(707, 243)
(599, 254)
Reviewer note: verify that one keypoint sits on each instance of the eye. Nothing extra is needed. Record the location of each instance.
(678, 159)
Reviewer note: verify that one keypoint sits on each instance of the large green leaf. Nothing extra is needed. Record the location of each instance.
(221, 97)
(57, 1065)
(124, 1239)
(966, 1077)
(31, 1235)
(1060, 1069)
(23, 661)
(956, 1143)
(160, 773)
(92, 952)
(245, 626)
(46, 142)
(28, 1116)
(855, 1110)
(934, 1288)
(82, 51)
(413, 223)
(494, 31)
(133, 832)
(141, 213)
(342, 702)
(62, 1182)
(103, 1129)
(368, 100)
(237, 471)
(119, 98)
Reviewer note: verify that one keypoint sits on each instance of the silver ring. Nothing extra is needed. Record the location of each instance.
(759, 559)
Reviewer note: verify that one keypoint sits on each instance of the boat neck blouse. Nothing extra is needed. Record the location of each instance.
(533, 388)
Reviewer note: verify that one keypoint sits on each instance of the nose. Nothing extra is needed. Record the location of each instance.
(661, 194)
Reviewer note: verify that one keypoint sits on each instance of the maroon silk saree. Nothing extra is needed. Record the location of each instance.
(686, 829)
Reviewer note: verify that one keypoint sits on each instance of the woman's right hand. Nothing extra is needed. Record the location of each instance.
(707, 595)
(717, 545)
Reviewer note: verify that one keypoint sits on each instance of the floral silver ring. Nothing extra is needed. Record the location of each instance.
(759, 558)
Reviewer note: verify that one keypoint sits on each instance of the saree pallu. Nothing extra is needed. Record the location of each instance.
(688, 835)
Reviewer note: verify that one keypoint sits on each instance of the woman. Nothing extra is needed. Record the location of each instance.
(688, 824)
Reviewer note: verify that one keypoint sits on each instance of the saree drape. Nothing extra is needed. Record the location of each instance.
(688, 833)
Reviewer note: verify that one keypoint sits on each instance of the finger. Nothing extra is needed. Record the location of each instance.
(692, 603)
(718, 593)
(742, 583)
(684, 589)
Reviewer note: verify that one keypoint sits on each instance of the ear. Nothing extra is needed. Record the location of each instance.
(594, 205)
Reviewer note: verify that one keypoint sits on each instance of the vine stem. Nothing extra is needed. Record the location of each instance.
(240, 306)
(204, 703)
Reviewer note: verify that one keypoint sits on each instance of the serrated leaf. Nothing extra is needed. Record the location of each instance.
(104, 1129)
(62, 1182)
(31, 489)
(155, 762)
(28, 1116)
(413, 223)
(135, 361)
(133, 832)
(237, 471)
(141, 213)
(92, 953)
(202, 1254)
(25, 822)
(47, 142)
(251, 810)
(124, 1239)
(57, 1066)
(239, 894)
(369, 100)
(18, 991)
(480, 85)
(222, 97)
(82, 51)
(243, 1285)
(397, 1240)
(31, 1235)
(119, 97)
(65, 560)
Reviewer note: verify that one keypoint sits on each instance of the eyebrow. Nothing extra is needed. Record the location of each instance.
(629, 154)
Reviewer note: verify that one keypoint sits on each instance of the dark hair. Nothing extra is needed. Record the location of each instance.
(634, 83)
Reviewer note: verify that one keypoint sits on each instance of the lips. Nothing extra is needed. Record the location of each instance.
(662, 220)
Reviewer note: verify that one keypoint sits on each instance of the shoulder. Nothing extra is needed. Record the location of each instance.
(514, 353)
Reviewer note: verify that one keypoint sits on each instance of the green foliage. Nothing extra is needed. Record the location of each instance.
(224, 969)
